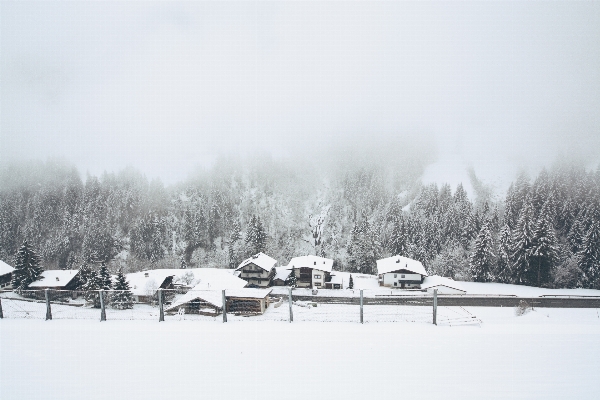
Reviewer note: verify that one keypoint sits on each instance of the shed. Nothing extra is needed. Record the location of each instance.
(5, 275)
(443, 285)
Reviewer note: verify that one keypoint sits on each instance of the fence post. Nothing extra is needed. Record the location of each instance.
(361, 306)
(1, 313)
(435, 306)
(290, 301)
(102, 309)
(224, 306)
(161, 312)
(48, 309)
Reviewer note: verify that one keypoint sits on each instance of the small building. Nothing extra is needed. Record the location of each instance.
(336, 282)
(443, 285)
(311, 271)
(281, 275)
(5, 275)
(57, 279)
(144, 284)
(240, 301)
(400, 272)
(257, 270)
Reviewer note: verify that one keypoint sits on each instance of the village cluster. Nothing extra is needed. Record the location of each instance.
(250, 286)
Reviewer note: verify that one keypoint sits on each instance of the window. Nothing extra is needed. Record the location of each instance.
(317, 276)
(401, 276)
(395, 283)
(395, 275)
(317, 283)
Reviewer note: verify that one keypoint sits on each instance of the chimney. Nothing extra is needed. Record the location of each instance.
(146, 274)
(57, 279)
(397, 261)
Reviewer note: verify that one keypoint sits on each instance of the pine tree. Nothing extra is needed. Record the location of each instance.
(122, 297)
(503, 269)
(544, 250)
(256, 238)
(104, 278)
(27, 267)
(363, 249)
(483, 259)
(523, 237)
(86, 273)
(351, 283)
(589, 258)
(291, 280)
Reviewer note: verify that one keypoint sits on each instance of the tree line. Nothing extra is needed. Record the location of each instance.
(545, 231)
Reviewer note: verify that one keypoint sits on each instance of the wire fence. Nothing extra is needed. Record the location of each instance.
(230, 306)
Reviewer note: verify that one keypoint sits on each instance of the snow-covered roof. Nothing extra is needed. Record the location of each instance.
(435, 280)
(398, 262)
(337, 279)
(55, 278)
(145, 283)
(216, 279)
(215, 297)
(5, 268)
(261, 259)
(282, 273)
(315, 262)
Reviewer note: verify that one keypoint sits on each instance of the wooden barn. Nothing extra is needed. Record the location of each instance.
(400, 272)
(244, 301)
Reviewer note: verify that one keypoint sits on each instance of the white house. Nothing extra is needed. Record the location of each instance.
(311, 271)
(5, 275)
(144, 284)
(257, 270)
(443, 285)
(400, 272)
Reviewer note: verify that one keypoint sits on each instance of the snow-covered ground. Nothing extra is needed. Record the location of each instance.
(544, 354)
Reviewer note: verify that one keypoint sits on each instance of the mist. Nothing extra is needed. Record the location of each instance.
(451, 89)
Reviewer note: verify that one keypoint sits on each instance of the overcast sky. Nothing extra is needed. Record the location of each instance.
(168, 86)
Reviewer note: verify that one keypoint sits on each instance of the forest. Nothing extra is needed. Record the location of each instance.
(544, 231)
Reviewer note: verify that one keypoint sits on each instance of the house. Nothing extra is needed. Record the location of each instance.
(57, 279)
(257, 270)
(5, 275)
(311, 271)
(281, 275)
(400, 272)
(443, 285)
(144, 284)
(243, 301)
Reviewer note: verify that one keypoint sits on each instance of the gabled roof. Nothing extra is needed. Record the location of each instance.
(215, 297)
(337, 279)
(282, 273)
(398, 262)
(315, 262)
(55, 278)
(5, 268)
(261, 259)
(145, 283)
(435, 280)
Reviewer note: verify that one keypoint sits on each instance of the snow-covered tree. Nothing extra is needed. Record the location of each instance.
(482, 259)
(122, 297)
(292, 280)
(256, 237)
(544, 251)
(27, 267)
(589, 258)
(522, 241)
(503, 272)
(363, 249)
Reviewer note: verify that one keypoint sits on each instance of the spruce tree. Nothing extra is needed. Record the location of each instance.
(256, 238)
(104, 278)
(122, 297)
(544, 251)
(589, 258)
(351, 283)
(27, 268)
(522, 240)
(483, 259)
(503, 272)
(291, 280)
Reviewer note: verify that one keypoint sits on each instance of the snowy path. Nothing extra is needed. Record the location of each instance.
(545, 354)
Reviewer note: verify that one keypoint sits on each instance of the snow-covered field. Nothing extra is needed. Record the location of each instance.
(544, 354)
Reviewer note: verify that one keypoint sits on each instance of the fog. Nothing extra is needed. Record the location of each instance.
(168, 87)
